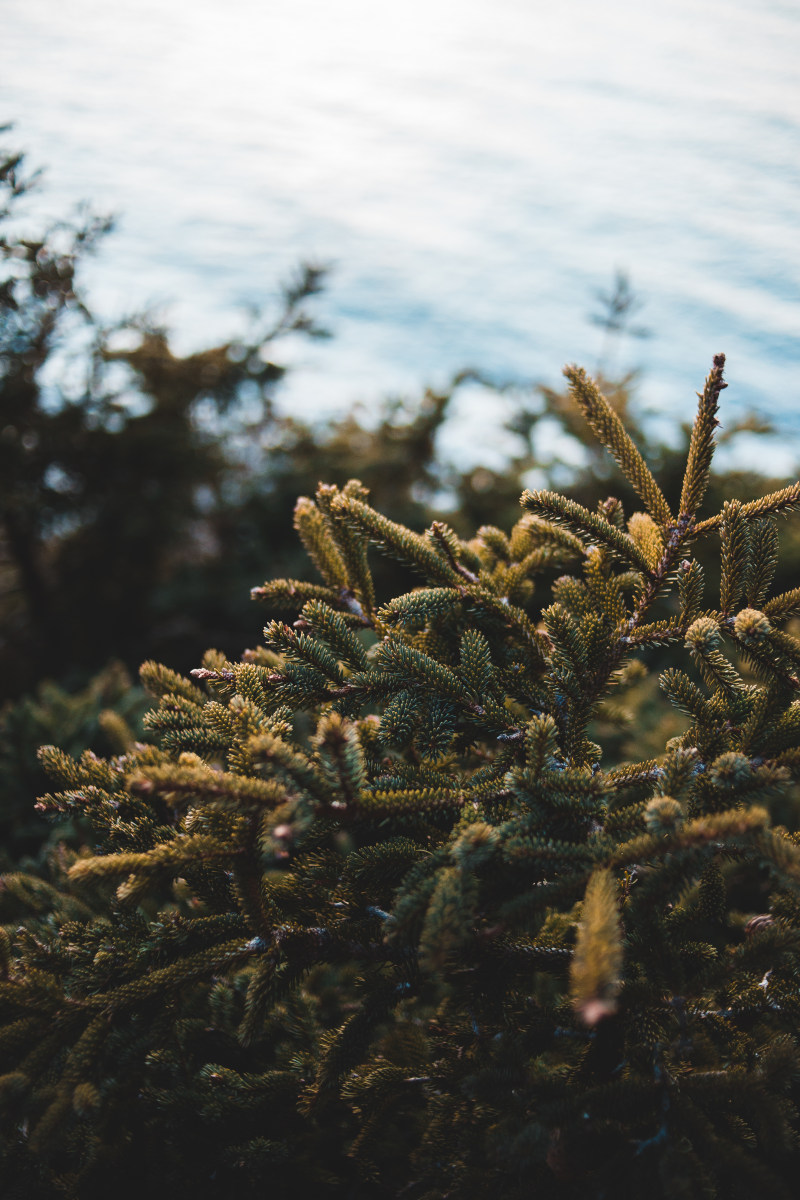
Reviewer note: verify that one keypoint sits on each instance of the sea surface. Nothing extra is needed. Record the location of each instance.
(474, 170)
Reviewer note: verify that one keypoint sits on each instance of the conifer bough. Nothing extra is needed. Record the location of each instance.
(382, 910)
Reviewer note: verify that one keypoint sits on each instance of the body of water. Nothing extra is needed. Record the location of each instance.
(474, 169)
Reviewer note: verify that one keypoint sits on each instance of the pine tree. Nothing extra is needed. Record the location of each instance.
(384, 913)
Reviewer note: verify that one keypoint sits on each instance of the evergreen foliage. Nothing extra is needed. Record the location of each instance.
(385, 909)
(104, 717)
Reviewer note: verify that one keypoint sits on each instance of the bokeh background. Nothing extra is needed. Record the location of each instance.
(475, 169)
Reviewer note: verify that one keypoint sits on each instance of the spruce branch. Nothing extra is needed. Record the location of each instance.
(414, 666)
(784, 501)
(167, 856)
(783, 606)
(763, 561)
(395, 540)
(655, 582)
(701, 446)
(170, 978)
(353, 543)
(439, 532)
(659, 633)
(517, 622)
(690, 590)
(333, 628)
(269, 751)
(161, 681)
(320, 546)
(597, 962)
(648, 537)
(702, 640)
(612, 433)
(218, 789)
(736, 556)
(558, 510)
(292, 594)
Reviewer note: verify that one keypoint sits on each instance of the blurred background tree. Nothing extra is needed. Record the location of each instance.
(106, 469)
(142, 493)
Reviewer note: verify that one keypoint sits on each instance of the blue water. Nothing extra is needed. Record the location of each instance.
(475, 169)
